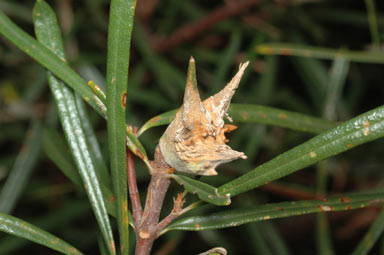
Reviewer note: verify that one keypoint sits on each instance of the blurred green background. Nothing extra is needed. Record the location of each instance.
(219, 35)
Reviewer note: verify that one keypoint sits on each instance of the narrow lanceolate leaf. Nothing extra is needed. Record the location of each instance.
(204, 191)
(361, 129)
(136, 147)
(57, 151)
(57, 219)
(159, 120)
(371, 237)
(20, 228)
(233, 218)
(119, 42)
(287, 49)
(48, 33)
(245, 113)
(21, 170)
(56, 64)
(101, 167)
(272, 116)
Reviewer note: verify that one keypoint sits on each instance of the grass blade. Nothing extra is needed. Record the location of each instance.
(204, 191)
(361, 129)
(337, 80)
(48, 33)
(275, 239)
(246, 113)
(233, 218)
(314, 74)
(323, 236)
(21, 170)
(119, 42)
(257, 241)
(287, 49)
(20, 228)
(372, 20)
(56, 64)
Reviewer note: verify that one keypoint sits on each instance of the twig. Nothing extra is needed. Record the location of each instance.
(133, 190)
(146, 232)
(163, 229)
(176, 212)
(189, 31)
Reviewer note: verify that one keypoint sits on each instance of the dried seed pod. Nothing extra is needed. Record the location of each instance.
(195, 140)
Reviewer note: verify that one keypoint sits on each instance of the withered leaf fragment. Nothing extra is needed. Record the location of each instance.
(195, 140)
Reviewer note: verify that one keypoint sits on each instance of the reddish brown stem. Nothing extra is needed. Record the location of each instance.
(147, 231)
(176, 212)
(133, 190)
(189, 31)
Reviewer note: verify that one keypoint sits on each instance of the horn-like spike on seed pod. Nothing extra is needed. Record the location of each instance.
(218, 104)
(192, 105)
(195, 140)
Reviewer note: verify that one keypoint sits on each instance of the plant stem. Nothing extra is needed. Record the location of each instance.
(147, 231)
(133, 190)
(176, 212)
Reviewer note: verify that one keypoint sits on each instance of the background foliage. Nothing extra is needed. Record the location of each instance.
(165, 34)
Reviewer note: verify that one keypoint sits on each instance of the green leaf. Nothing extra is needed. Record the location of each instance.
(323, 236)
(273, 235)
(373, 234)
(246, 113)
(373, 24)
(20, 228)
(337, 80)
(258, 242)
(51, 221)
(136, 147)
(21, 170)
(265, 238)
(159, 120)
(277, 117)
(361, 129)
(101, 167)
(102, 248)
(204, 191)
(48, 33)
(287, 49)
(57, 151)
(119, 42)
(314, 75)
(53, 62)
(237, 217)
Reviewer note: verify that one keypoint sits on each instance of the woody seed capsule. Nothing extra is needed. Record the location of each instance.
(195, 140)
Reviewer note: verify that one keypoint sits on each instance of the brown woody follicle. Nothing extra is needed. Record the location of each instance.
(195, 140)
